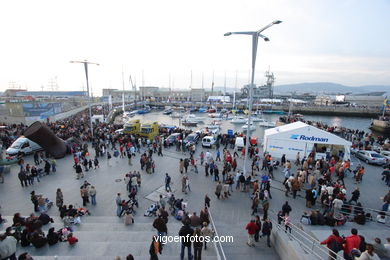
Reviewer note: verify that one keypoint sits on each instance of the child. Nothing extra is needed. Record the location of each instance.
(71, 239)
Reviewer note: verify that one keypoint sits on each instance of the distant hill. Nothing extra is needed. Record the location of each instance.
(329, 88)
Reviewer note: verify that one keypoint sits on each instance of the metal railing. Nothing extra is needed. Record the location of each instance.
(218, 246)
(373, 213)
(308, 244)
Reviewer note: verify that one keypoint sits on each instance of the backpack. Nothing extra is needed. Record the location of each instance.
(336, 246)
(261, 195)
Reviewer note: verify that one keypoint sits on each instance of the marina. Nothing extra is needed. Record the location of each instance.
(195, 130)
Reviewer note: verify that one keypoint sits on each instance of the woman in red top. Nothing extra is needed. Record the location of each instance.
(334, 242)
(251, 227)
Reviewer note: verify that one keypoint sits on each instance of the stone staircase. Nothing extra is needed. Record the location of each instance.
(239, 249)
(104, 237)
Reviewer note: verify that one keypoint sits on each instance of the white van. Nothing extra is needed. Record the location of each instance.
(24, 146)
(239, 144)
(208, 141)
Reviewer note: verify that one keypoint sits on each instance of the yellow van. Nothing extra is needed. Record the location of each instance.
(132, 127)
(149, 130)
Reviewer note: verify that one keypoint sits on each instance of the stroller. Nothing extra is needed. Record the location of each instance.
(152, 210)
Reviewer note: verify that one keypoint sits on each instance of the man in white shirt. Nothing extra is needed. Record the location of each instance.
(337, 203)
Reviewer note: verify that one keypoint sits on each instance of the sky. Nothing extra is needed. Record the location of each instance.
(344, 42)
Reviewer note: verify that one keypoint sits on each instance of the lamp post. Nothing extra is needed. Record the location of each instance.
(85, 62)
(255, 38)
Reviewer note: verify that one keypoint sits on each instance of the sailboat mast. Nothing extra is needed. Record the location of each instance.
(123, 92)
(201, 96)
(234, 94)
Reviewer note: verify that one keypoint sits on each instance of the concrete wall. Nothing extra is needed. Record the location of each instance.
(287, 249)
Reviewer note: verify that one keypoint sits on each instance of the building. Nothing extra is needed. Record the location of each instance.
(264, 91)
(160, 94)
(147, 92)
(198, 94)
(368, 99)
(116, 94)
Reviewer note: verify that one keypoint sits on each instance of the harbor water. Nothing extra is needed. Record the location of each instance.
(348, 122)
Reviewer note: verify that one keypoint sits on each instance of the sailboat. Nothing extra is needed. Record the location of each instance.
(251, 126)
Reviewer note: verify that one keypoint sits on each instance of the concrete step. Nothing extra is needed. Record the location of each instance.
(112, 257)
(99, 219)
(173, 227)
(87, 248)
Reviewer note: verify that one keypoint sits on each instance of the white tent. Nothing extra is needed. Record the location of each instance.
(303, 138)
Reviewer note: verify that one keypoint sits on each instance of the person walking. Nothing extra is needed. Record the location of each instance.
(155, 248)
(118, 202)
(355, 195)
(218, 190)
(201, 157)
(287, 222)
(265, 209)
(59, 198)
(206, 233)
(181, 166)
(129, 158)
(96, 163)
(161, 227)
(184, 184)
(186, 232)
(92, 194)
(79, 171)
(252, 228)
(34, 200)
(207, 201)
(167, 183)
(266, 231)
(53, 163)
(286, 208)
(197, 244)
(258, 223)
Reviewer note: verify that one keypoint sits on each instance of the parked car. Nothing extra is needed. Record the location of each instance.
(22, 145)
(172, 139)
(371, 157)
(191, 139)
(354, 151)
(208, 141)
(385, 154)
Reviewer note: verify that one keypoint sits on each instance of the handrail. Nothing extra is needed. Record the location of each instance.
(387, 213)
(303, 237)
(303, 245)
(215, 243)
(372, 218)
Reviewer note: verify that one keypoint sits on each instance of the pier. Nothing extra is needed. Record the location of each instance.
(370, 112)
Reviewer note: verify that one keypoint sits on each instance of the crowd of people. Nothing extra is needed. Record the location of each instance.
(320, 182)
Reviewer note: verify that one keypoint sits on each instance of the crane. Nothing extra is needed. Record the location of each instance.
(133, 85)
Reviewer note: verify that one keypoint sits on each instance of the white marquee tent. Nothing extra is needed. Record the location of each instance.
(303, 138)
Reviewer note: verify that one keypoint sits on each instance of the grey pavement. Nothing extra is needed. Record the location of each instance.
(103, 236)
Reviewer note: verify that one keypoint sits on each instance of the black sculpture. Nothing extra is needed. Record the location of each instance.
(42, 135)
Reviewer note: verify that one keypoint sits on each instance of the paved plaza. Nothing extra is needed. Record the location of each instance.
(104, 236)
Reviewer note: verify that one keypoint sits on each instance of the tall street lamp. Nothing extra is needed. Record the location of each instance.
(85, 62)
(255, 38)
